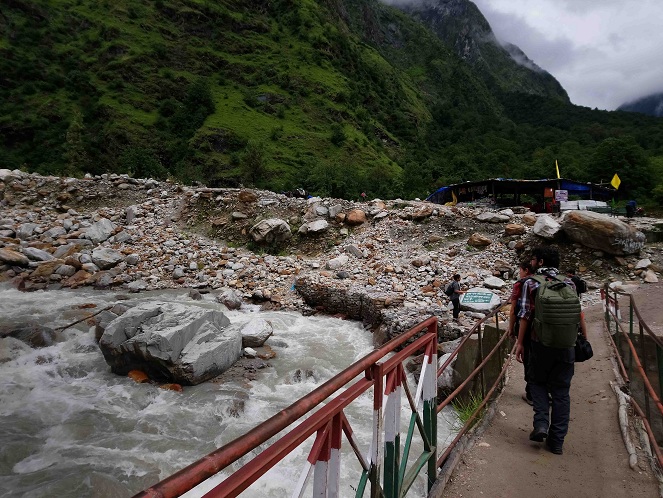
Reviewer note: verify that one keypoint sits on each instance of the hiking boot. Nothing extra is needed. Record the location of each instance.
(539, 434)
(555, 448)
(527, 399)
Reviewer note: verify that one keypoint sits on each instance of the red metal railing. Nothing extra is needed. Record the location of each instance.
(199, 471)
(385, 460)
(635, 360)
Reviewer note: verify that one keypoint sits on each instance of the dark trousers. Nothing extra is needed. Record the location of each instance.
(527, 340)
(456, 312)
(550, 371)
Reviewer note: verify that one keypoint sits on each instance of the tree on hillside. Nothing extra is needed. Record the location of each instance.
(142, 163)
(253, 162)
(75, 156)
(627, 159)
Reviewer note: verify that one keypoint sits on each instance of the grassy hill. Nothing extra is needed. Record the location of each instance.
(335, 96)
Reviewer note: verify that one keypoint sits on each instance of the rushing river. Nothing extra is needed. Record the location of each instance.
(71, 428)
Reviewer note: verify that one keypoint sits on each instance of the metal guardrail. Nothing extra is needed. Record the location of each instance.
(385, 466)
(637, 361)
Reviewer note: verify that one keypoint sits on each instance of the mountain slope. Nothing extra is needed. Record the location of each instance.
(652, 105)
(461, 25)
(224, 92)
(335, 96)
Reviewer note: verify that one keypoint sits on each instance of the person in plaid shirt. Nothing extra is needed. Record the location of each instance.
(549, 370)
(524, 271)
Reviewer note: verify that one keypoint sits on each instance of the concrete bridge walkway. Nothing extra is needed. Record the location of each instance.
(504, 463)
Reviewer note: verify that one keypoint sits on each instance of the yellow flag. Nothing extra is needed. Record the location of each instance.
(615, 182)
(557, 168)
(454, 201)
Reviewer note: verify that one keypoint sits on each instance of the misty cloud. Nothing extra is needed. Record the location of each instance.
(603, 53)
(403, 2)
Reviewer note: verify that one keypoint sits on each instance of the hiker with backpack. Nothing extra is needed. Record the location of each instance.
(453, 291)
(551, 311)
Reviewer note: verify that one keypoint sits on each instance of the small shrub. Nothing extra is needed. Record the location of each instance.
(465, 408)
(276, 133)
(338, 135)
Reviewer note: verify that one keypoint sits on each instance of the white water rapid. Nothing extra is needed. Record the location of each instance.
(71, 428)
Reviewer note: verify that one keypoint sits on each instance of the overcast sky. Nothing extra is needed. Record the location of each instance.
(603, 52)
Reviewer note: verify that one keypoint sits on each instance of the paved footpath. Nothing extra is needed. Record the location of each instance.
(505, 463)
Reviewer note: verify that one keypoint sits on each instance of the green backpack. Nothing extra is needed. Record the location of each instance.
(556, 312)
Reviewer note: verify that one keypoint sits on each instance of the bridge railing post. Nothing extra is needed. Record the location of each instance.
(376, 445)
(430, 412)
(392, 436)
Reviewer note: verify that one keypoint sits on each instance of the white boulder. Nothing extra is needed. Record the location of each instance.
(171, 342)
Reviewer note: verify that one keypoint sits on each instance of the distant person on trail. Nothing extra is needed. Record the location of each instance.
(631, 208)
(524, 272)
(550, 369)
(363, 196)
(455, 296)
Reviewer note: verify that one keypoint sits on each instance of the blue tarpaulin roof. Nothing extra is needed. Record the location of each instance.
(513, 186)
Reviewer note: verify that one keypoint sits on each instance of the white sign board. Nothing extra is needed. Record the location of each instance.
(561, 195)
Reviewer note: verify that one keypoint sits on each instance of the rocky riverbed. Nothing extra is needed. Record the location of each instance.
(383, 262)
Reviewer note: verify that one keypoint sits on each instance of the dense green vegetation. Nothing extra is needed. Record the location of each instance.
(336, 96)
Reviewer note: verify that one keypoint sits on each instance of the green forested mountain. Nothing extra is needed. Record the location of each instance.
(461, 25)
(336, 96)
(652, 105)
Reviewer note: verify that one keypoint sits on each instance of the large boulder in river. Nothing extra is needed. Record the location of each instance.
(272, 230)
(602, 232)
(171, 342)
(231, 299)
(256, 332)
(32, 333)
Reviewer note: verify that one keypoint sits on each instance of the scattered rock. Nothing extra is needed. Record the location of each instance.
(230, 299)
(138, 376)
(355, 217)
(546, 227)
(650, 277)
(256, 332)
(490, 217)
(270, 231)
(478, 240)
(100, 231)
(514, 229)
(32, 334)
(13, 257)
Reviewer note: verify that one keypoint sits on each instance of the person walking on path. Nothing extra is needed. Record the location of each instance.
(524, 272)
(550, 369)
(455, 296)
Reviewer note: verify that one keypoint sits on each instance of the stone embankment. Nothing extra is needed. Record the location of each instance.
(383, 262)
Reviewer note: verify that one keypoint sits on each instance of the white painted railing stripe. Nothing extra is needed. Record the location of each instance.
(303, 481)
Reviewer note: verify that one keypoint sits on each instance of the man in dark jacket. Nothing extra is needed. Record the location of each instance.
(455, 296)
(550, 370)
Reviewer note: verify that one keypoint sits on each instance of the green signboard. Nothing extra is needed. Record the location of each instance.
(477, 297)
